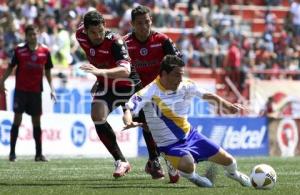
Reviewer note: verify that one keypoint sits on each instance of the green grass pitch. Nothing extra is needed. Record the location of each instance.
(94, 176)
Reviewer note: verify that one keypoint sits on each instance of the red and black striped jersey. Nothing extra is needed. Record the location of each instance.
(30, 67)
(111, 53)
(147, 56)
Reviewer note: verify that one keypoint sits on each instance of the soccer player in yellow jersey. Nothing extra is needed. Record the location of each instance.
(166, 102)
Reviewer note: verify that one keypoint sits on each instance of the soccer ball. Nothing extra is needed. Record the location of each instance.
(263, 176)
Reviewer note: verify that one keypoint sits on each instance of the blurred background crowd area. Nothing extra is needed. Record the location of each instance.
(240, 39)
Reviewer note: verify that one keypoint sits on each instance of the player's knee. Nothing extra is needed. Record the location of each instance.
(17, 123)
(97, 119)
(17, 119)
(187, 168)
(222, 158)
(186, 164)
(228, 160)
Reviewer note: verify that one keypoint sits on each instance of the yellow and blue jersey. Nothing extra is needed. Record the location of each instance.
(166, 111)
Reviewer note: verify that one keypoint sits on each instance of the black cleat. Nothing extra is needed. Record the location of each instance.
(154, 168)
(40, 158)
(12, 157)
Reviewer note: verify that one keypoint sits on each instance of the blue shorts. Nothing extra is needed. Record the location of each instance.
(196, 144)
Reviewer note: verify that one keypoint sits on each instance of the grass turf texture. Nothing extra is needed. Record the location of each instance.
(94, 176)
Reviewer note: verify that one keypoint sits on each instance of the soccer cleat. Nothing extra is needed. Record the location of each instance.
(172, 172)
(243, 179)
(154, 168)
(40, 158)
(201, 181)
(121, 168)
(12, 157)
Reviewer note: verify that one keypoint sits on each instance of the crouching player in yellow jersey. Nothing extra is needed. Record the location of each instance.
(166, 102)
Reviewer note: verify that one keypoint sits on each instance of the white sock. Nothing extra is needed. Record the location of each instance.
(232, 168)
(197, 179)
(187, 175)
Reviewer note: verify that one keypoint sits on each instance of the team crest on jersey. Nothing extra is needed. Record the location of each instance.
(143, 51)
(92, 52)
(33, 57)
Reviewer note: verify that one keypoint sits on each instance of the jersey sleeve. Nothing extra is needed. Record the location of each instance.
(14, 60)
(49, 63)
(195, 89)
(138, 101)
(170, 48)
(120, 54)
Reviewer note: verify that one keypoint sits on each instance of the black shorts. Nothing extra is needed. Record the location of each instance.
(29, 102)
(113, 97)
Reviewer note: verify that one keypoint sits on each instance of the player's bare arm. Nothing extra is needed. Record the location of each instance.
(117, 72)
(128, 122)
(4, 77)
(222, 103)
(49, 79)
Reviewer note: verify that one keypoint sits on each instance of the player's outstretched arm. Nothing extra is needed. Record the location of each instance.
(223, 104)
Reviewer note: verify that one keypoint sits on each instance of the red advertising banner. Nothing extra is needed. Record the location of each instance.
(284, 137)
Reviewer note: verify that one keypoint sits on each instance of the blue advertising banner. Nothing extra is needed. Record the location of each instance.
(242, 136)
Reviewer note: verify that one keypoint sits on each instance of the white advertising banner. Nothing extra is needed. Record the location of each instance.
(73, 95)
(66, 134)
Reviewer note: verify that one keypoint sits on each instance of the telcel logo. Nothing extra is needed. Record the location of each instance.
(243, 139)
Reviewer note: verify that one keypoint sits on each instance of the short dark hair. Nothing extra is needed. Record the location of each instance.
(29, 28)
(92, 18)
(139, 10)
(170, 62)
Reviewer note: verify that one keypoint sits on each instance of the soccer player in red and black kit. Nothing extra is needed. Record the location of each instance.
(146, 49)
(31, 60)
(116, 80)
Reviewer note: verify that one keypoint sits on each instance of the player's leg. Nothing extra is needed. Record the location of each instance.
(34, 109)
(186, 167)
(153, 166)
(106, 134)
(172, 172)
(199, 148)
(230, 165)
(180, 156)
(37, 135)
(20, 99)
(14, 132)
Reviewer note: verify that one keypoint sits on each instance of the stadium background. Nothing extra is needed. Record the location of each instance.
(246, 51)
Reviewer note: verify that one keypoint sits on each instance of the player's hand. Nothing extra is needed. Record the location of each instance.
(132, 125)
(53, 96)
(236, 108)
(89, 68)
